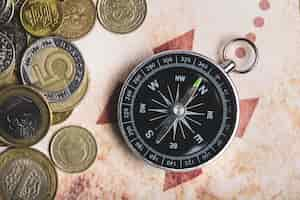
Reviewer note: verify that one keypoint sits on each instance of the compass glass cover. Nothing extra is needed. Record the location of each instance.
(178, 110)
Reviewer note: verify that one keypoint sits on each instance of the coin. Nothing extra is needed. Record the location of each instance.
(11, 79)
(73, 149)
(19, 38)
(7, 15)
(25, 116)
(40, 17)
(78, 18)
(56, 67)
(74, 100)
(26, 174)
(59, 117)
(7, 55)
(121, 16)
(3, 5)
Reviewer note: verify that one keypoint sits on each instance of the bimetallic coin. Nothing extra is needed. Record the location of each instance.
(78, 18)
(26, 174)
(40, 17)
(121, 16)
(7, 55)
(73, 149)
(56, 67)
(60, 117)
(25, 116)
(7, 15)
(19, 38)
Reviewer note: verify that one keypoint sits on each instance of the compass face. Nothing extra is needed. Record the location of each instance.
(178, 110)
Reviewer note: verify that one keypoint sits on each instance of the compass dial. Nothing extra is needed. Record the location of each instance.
(178, 110)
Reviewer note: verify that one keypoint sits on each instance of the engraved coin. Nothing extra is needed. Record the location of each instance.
(7, 55)
(19, 38)
(40, 17)
(78, 18)
(7, 15)
(26, 174)
(56, 67)
(73, 149)
(3, 5)
(60, 117)
(25, 116)
(121, 16)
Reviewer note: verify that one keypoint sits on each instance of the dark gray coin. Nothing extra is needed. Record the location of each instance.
(3, 5)
(8, 14)
(7, 53)
(19, 38)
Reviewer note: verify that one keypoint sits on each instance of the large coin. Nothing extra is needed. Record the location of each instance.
(78, 18)
(121, 16)
(26, 174)
(7, 15)
(25, 116)
(40, 17)
(56, 67)
(73, 149)
(19, 38)
(7, 55)
(60, 117)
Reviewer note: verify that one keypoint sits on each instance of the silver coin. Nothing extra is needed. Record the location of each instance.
(7, 53)
(8, 14)
(3, 5)
(19, 38)
(29, 74)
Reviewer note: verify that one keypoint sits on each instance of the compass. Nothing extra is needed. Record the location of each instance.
(179, 110)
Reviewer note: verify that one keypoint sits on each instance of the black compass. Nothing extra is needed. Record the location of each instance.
(178, 110)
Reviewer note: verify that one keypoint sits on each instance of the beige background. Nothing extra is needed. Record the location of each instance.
(264, 164)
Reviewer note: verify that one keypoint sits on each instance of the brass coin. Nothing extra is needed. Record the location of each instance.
(26, 174)
(40, 17)
(7, 55)
(121, 16)
(79, 17)
(7, 15)
(73, 149)
(25, 117)
(58, 118)
(55, 67)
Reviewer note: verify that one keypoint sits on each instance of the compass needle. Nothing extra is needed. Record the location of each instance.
(170, 94)
(196, 122)
(159, 103)
(168, 102)
(177, 93)
(175, 124)
(164, 111)
(182, 131)
(186, 123)
(194, 113)
(195, 106)
(157, 118)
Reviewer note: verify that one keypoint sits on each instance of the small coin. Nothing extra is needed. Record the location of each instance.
(19, 38)
(40, 17)
(26, 174)
(78, 18)
(7, 15)
(59, 117)
(73, 149)
(56, 67)
(25, 117)
(7, 55)
(121, 16)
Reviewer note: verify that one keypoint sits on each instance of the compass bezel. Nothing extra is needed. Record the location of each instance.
(142, 65)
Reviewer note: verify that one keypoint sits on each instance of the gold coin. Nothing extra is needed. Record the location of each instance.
(59, 117)
(25, 116)
(40, 17)
(73, 100)
(26, 174)
(121, 16)
(73, 149)
(78, 18)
